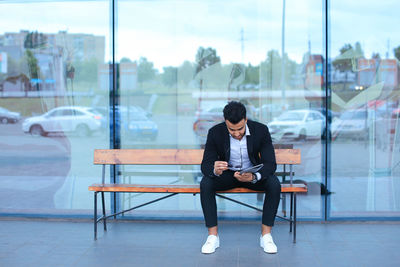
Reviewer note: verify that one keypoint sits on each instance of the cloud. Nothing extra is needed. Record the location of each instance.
(169, 32)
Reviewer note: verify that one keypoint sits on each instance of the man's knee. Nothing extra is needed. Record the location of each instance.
(206, 184)
(273, 185)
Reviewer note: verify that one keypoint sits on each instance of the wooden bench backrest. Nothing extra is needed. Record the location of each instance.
(173, 156)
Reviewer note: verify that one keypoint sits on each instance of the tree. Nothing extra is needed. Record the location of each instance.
(206, 57)
(35, 40)
(33, 66)
(252, 74)
(358, 50)
(186, 72)
(13, 67)
(376, 56)
(146, 70)
(343, 63)
(170, 76)
(270, 70)
(396, 52)
(86, 70)
(125, 60)
(237, 72)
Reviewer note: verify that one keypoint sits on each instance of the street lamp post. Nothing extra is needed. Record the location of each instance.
(283, 85)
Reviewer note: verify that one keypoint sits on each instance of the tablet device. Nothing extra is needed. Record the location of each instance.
(252, 169)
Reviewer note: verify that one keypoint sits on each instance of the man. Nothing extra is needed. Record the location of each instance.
(231, 146)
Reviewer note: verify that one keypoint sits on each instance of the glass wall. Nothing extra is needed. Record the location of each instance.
(364, 60)
(327, 87)
(181, 61)
(53, 104)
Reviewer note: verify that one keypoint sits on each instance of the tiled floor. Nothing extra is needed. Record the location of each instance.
(70, 243)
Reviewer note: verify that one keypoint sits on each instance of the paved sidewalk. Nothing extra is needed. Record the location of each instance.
(177, 243)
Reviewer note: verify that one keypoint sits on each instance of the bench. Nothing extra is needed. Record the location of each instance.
(113, 157)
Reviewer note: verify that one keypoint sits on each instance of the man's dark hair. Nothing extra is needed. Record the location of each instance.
(234, 112)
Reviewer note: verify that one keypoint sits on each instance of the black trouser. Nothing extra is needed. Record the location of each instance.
(209, 185)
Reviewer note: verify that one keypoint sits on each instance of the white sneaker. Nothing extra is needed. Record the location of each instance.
(211, 244)
(267, 243)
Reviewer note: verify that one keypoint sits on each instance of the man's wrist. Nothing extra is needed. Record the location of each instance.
(254, 179)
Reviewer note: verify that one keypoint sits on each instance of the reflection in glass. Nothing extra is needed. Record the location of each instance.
(50, 81)
(364, 73)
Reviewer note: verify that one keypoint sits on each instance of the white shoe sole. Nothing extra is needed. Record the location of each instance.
(210, 252)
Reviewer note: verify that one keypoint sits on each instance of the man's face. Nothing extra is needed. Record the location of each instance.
(237, 130)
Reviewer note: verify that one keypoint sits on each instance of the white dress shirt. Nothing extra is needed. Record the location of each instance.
(239, 157)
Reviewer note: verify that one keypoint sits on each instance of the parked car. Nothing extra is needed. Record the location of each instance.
(7, 116)
(205, 119)
(133, 122)
(267, 112)
(298, 124)
(395, 113)
(352, 123)
(104, 110)
(331, 114)
(140, 126)
(213, 113)
(81, 120)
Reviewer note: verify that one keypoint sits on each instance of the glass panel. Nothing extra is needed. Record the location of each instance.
(365, 135)
(51, 55)
(181, 61)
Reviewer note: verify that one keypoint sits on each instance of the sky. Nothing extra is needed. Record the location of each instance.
(169, 32)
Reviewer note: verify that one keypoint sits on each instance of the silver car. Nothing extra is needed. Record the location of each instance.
(81, 120)
(353, 124)
(7, 116)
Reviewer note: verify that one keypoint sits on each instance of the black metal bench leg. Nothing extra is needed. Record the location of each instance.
(95, 215)
(104, 211)
(284, 205)
(295, 218)
(284, 195)
(291, 211)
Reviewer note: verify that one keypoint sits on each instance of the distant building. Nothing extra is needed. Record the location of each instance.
(372, 71)
(52, 52)
(362, 74)
(314, 72)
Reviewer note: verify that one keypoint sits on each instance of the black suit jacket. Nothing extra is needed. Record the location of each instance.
(259, 147)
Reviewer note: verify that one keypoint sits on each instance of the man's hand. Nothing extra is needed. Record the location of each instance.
(245, 177)
(220, 166)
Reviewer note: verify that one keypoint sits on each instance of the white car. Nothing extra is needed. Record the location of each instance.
(298, 124)
(81, 120)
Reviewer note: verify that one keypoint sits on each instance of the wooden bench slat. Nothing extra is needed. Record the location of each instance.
(287, 156)
(175, 172)
(173, 156)
(148, 156)
(140, 188)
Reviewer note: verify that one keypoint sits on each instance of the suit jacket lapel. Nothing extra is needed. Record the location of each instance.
(227, 145)
(250, 144)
